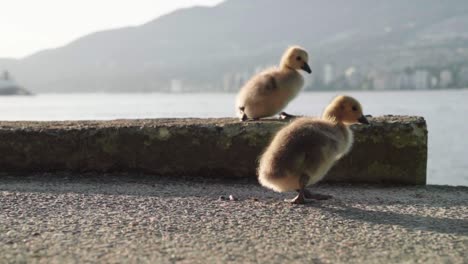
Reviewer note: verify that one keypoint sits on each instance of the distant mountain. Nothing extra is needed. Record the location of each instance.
(205, 47)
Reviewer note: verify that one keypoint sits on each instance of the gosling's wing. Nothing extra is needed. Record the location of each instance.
(262, 84)
(304, 147)
(267, 84)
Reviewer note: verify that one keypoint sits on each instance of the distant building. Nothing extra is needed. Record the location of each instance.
(9, 87)
(445, 79)
(403, 81)
(354, 78)
(463, 77)
(328, 74)
(233, 81)
(350, 72)
(227, 82)
(379, 81)
(421, 80)
(434, 82)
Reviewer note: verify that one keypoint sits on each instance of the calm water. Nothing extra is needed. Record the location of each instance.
(445, 111)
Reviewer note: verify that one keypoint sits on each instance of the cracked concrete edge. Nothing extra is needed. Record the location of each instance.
(392, 150)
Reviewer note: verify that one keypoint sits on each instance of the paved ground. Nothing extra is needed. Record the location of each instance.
(50, 219)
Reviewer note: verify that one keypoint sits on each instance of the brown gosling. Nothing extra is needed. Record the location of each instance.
(270, 91)
(303, 152)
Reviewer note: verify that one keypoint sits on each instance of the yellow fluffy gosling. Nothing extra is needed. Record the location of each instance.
(269, 92)
(303, 152)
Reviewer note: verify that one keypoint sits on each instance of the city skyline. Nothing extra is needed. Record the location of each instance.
(218, 48)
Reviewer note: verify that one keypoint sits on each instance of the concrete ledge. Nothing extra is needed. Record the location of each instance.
(392, 150)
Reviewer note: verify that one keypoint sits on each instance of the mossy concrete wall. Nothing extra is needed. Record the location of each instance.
(392, 150)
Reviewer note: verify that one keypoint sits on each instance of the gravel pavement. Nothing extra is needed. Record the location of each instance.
(142, 219)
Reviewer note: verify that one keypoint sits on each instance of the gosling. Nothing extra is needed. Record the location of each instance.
(303, 152)
(270, 91)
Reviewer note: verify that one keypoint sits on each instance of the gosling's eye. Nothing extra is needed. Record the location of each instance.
(354, 108)
(298, 58)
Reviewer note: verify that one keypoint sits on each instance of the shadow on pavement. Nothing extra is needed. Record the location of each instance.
(413, 222)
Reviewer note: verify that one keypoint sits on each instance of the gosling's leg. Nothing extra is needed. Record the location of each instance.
(316, 196)
(303, 180)
(301, 197)
(284, 115)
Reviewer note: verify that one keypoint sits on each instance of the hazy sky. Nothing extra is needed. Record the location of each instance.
(27, 26)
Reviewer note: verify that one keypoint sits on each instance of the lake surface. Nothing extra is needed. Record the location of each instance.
(446, 113)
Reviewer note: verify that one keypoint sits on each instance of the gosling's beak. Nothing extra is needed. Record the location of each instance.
(306, 68)
(363, 120)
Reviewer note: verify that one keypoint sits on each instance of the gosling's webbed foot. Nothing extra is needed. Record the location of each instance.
(299, 199)
(284, 115)
(316, 196)
(244, 118)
